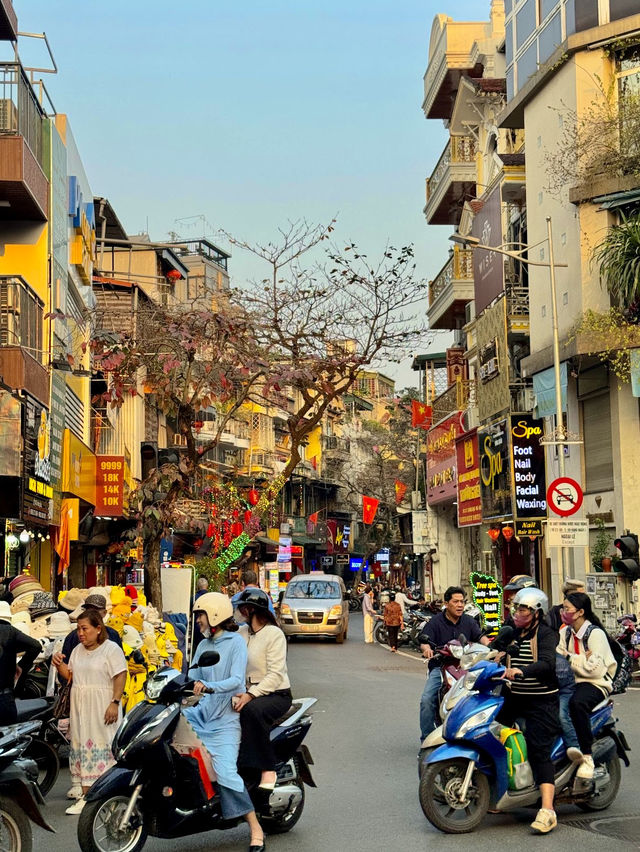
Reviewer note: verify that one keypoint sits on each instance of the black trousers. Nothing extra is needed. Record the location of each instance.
(541, 714)
(393, 635)
(256, 720)
(581, 703)
(8, 710)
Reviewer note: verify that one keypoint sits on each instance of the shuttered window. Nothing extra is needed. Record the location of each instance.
(598, 455)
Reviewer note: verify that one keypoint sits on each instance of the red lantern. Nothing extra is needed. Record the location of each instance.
(173, 275)
(253, 497)
(493, 533)
(236, 529)
(247, 516)
(508, 533)
(235, 514)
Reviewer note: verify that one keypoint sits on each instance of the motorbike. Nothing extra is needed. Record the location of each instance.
(164, 785)
(468, 774)
(629, 638)
(47, 743)
(20, 799)
(414, 621)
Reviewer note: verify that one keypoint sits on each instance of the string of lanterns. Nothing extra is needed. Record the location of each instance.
(14, 541)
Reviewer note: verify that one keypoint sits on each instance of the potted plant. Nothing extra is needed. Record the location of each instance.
(601, 548)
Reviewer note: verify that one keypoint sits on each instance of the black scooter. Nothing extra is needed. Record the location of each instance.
(20, 798)
(163, 783)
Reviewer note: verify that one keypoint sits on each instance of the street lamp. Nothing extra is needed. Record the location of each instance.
(559, 438)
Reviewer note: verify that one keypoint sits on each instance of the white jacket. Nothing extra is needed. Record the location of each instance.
(599, 667)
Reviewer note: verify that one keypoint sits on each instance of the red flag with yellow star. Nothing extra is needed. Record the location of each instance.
(369, 509)
(420, 414)
(401, 490)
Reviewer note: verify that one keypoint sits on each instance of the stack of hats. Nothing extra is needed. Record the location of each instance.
(42, 605)
(23, 588)
(5, 612)
(59, 625)
(71, 601)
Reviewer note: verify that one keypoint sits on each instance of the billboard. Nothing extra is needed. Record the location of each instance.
(529, 475)
(468, 465)
(441, 460)
(495, 470)
(488, 266)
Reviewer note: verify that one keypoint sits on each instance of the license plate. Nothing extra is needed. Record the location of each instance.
(310, 628)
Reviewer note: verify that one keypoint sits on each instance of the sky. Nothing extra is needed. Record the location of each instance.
(251, 114)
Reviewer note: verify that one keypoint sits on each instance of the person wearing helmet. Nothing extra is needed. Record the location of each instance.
(517, 582)
(213, 718)
(532, 694)
(267, 696)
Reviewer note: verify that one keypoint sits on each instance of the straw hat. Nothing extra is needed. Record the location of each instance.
(71, 600)
(39, 629)
(22, 603)
(5, 611)
(59, 625)
(22, 621)
(25, 584)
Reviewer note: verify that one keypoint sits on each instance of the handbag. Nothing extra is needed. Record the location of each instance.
(62, 704)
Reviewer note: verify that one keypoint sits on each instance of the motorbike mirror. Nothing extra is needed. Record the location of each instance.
(138, 657)
(209, 658)
(504, 637)
(462, 639)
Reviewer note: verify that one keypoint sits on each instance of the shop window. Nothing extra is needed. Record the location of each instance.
(598, 452)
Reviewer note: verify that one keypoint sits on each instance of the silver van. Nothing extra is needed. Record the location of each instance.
(315, 605)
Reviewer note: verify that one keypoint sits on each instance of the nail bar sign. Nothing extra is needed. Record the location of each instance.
(529, 478)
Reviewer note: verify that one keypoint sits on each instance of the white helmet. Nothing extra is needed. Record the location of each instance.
(216, 606)
(535, 599)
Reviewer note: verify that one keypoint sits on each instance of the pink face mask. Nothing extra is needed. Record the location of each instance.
(521, 620)
(567, 617)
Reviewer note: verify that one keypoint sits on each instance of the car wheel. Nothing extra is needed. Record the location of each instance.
(340, 637)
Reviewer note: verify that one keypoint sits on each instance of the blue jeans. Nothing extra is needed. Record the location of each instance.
(429, 702)
(568, 731)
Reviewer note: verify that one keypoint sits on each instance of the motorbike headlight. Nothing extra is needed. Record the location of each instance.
(456, 651)
(153, 687)
(469, 680)
(474, 721)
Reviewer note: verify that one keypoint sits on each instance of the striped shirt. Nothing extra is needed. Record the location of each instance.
(527, 685)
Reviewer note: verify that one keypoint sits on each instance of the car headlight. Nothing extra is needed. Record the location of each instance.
(475, 721)
(335, 611)
(285, 609)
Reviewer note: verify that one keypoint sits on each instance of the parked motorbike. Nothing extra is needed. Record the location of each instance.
(629, 638)
(46, 742)
(20, 798)
(461, 779)
(163, 783)
(414, 621)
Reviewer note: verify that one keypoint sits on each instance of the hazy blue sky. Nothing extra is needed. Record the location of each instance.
(253, 113)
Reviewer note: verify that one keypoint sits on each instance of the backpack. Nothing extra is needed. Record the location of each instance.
(622, 675)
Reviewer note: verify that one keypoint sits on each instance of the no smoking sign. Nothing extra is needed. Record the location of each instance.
(564, 496)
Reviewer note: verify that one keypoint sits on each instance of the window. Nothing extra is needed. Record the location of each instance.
(550, 38)
(20, 317)
(629, 99)
(527, 64)
(598, 455)
(508, 43)
(622, 9)
(525, 22)
(545, 7)
(586, 14)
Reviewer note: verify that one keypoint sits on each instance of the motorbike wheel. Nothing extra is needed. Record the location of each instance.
(285, 822)
(15, 828)
(98, 827)
(606, 798)
(47, 761)
(438, 783)
(380, 633)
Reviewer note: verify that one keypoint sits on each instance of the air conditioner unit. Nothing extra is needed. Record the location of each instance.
(526, 399)
(179, 440)
(8, 115)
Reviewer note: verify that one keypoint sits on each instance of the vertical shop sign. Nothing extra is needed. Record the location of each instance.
(110, 486)
(495, 470)
(441, 460)
(468, 464)
(487, 596)
(529, 476)
(37, 492)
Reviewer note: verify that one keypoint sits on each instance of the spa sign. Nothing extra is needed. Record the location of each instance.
(529, 477)
(495, 470)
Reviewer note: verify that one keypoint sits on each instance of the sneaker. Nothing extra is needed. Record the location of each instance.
(574, 755)
(76, 807)
(74, 792)
(544, 822)
(586, 768)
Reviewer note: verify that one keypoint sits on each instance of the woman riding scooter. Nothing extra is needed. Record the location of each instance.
(214, 719)
(533, 694)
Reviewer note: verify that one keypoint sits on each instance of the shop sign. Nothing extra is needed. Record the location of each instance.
(530, 528)
(57, 423)
(488, 266)
(326, 561)
(441, 460)
(284, 549)
(358, 564)
(495, 470)
(297, 551)
(468, 466)
(82, 248)
(488, 360)
(78, 468)
(37, 492)
(342, 560)
(567, 532)
(487, 596)
(110, 486)
(339, 536)
(420, 530)
(529, 478)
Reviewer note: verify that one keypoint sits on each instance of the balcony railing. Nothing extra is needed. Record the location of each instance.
(335, 445)
(459, 150)
(517, 300)
(20, 111)
(459, 267)
(20, 315)
(458, 397)
(104, 438)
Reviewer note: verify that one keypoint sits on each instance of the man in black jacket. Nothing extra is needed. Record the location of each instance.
(12, 643)
(442, 628)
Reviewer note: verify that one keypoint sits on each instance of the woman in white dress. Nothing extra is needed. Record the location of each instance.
(98, 669)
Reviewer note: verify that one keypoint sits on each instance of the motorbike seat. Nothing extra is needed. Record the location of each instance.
(602, 704)
(293, 709)
(30, 707)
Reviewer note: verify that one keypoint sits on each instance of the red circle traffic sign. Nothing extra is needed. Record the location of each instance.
(564, 496)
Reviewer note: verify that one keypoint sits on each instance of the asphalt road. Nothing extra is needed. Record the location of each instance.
(364, 741)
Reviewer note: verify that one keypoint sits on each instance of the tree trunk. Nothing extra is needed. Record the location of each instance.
(153, 571)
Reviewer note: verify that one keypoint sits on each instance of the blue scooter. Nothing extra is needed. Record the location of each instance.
(462, 779)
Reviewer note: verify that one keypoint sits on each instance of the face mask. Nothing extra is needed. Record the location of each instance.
(567, 617)
(521, 620)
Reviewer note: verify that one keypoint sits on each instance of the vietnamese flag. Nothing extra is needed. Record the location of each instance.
(369, 509)
(401, 490)
(314, 518)
(420, 414)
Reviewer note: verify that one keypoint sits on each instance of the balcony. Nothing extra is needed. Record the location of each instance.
(8, 21)
(457, 397)
(335, 448)
(24, 188)
(517, 308)
(451, 290)
(452, 182)
(22, 372)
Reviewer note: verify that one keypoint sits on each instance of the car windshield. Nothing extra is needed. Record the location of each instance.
(314, 589)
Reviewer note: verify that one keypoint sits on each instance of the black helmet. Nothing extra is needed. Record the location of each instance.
(520, 581)
(392, 596)
(257, 601)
